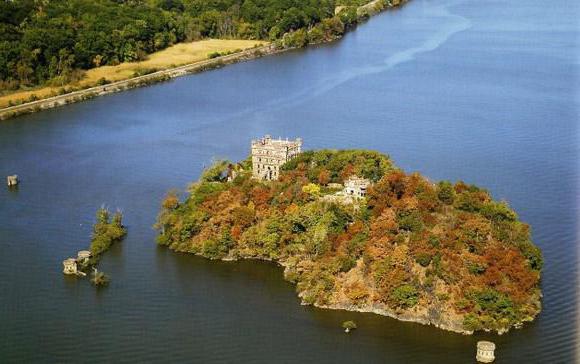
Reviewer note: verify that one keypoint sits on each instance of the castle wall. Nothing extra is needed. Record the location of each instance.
(268, 155)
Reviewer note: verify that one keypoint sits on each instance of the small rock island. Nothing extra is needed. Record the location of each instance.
(355, 232)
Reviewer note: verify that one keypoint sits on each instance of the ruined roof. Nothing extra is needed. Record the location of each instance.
(267, 140)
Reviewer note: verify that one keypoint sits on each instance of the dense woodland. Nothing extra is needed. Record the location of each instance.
(445, 252)
(48, 42)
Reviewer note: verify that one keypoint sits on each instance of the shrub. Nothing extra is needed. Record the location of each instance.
(171, 201)
(405, 296)
(424, 259)
(316, 35)
(103, 81)
(141, 71)
(476, 268)
(311, 189)
(216, 172)
(349, 325)
(498, 211)
(410, 221)
(100, 279)
(467, 201)
(346, 263)
(211, 249)
(494, 304)
(445, 192)
(296, 39)
(471, 322)
(533, 254)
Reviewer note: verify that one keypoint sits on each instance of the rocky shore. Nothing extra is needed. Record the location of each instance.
(434, 315)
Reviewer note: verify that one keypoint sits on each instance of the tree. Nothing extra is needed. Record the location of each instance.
(100, 279)
(216, 172)
(171, 200)
(106, 231)
(323, 177)
(311, 189)
(98, 60)
(405, 296)
(498, 211)
(348, 326)
(445, 192)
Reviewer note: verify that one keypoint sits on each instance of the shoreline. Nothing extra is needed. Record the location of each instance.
(370, 9)
(377, 309)
(139, 81)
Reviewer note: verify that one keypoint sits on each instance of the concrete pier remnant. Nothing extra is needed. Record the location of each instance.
(12, 180)
(83, 256)
(70, 266)
(485, 352)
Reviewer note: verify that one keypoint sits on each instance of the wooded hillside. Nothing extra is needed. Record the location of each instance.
(443, 253)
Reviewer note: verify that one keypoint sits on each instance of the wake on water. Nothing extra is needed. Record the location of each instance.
(450, 25)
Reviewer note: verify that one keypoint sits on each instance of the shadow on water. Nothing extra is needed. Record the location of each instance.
(265, 289)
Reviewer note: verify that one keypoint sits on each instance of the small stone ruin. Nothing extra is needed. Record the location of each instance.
(485, 352)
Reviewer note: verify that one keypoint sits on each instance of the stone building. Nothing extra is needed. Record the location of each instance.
(12, 180)
(70, 266)
(268, 155)
(356, 186)
(83, 256)
(485, 352)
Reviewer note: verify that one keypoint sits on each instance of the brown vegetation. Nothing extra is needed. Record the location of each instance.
(444, 253)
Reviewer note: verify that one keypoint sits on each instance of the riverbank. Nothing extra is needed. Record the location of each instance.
(288, 42)
(453, 323)
(447, 321)
(155, 77)
(176, 55)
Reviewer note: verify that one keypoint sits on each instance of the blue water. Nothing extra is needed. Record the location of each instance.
(482, 92)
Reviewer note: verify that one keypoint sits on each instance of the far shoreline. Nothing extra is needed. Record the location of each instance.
(372, 8)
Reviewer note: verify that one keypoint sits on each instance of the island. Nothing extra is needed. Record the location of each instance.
(355, 232)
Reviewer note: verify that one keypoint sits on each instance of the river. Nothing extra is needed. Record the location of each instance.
(486, 92)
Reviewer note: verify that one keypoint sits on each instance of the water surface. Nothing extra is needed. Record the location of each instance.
(482, 92)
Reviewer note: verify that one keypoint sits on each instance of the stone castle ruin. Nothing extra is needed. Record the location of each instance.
(268, 155)
(356, 186)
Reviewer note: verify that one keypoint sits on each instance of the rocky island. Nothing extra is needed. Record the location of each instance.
(355, 232)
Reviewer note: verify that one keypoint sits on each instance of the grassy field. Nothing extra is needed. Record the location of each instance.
(176, 55)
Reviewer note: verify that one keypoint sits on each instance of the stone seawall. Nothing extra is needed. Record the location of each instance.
(139, 81)
(367, 10)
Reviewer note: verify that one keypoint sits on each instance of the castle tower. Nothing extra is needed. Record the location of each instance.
(268, 155)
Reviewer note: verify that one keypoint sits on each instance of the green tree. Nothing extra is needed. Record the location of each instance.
(445, 192)
(405, 296)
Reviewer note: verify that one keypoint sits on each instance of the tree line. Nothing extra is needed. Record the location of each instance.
(48, 42)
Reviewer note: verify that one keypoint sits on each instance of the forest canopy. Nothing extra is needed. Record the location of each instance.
(442, 253)
(48, 42)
